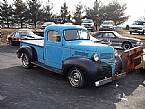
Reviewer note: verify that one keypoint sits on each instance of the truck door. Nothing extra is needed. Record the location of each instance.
(53, 49)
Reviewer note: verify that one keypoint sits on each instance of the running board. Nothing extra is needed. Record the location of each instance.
(47, 67)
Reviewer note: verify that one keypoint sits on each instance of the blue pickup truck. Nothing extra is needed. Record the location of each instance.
(68, 50)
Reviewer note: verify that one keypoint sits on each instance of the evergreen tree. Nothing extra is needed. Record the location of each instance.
(78, 13)
(47, 14)
(64, 13)
(34, 11)
(6, 13)
(20, 12)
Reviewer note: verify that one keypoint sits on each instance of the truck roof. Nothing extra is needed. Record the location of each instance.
(63, 27)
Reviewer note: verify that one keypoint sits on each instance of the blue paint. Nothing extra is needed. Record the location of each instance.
(53, 54)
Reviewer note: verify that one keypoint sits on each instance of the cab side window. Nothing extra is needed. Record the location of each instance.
(54, 36)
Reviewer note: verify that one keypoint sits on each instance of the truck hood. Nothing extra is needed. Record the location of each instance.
(89, 46)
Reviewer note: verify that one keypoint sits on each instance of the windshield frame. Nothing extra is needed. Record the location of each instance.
(79, 35)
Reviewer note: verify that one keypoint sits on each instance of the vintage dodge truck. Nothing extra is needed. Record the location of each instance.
(68, 50)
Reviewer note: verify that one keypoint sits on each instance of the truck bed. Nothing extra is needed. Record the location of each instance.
(34, 42)
(39, 47)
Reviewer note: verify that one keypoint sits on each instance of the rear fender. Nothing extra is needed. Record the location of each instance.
(29, 50)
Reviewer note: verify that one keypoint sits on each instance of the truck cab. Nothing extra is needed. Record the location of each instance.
(68, 50)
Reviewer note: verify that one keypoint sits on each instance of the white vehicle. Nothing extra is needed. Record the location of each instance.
(46, 24)
(107, 25)
(88, 24)
(137, 27)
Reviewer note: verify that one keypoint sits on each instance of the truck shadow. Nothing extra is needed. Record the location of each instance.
(48, 87)
(8, 48)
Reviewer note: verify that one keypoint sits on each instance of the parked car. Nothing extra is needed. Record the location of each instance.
(15, 37)
(88, 24)
(117, 40)
(137, 27)
(39, 33)
(68, 50)
(47, 24)
(107, 25)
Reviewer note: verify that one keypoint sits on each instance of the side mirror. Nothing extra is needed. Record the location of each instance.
(58, 38)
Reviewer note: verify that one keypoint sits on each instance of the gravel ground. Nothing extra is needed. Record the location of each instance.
(38, 88)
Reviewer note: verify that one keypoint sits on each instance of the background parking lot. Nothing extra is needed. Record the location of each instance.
(38, 88)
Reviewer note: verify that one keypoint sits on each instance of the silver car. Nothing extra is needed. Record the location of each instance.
(117, 40)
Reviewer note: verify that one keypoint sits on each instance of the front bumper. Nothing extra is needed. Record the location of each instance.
(110, 79)
(136, 30)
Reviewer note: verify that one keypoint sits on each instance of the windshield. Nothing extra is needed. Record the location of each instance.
(117, 34)
(27, 33)
(76, 34)
(87, 21)
(108, 23)
(138, 23)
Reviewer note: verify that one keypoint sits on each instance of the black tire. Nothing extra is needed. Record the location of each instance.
(26, 61)
(130, 32)
(126, 45)
(142, 33)
(76, 78)
(11, 42)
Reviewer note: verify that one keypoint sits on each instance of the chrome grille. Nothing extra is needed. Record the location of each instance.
(106, 55)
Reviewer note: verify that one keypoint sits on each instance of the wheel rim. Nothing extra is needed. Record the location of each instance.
(127, 46)
(75, 77)
(25, 60)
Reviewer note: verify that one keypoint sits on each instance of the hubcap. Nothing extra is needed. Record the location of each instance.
(75, 77)
(25, 61)
(127, 46)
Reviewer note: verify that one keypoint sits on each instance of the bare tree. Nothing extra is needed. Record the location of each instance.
(114, 11)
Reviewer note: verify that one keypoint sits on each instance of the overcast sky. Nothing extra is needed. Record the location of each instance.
(135, 8)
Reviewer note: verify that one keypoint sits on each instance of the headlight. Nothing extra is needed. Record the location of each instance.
(95, 57)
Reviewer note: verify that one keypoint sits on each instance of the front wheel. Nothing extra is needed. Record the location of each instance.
(26, 62)
(76, 78)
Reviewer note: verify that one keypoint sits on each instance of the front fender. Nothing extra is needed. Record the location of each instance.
(86, 64)
(93, 70)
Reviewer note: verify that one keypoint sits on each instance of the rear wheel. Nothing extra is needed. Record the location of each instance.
(26, 61)
(76, 78)
(11, 42)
